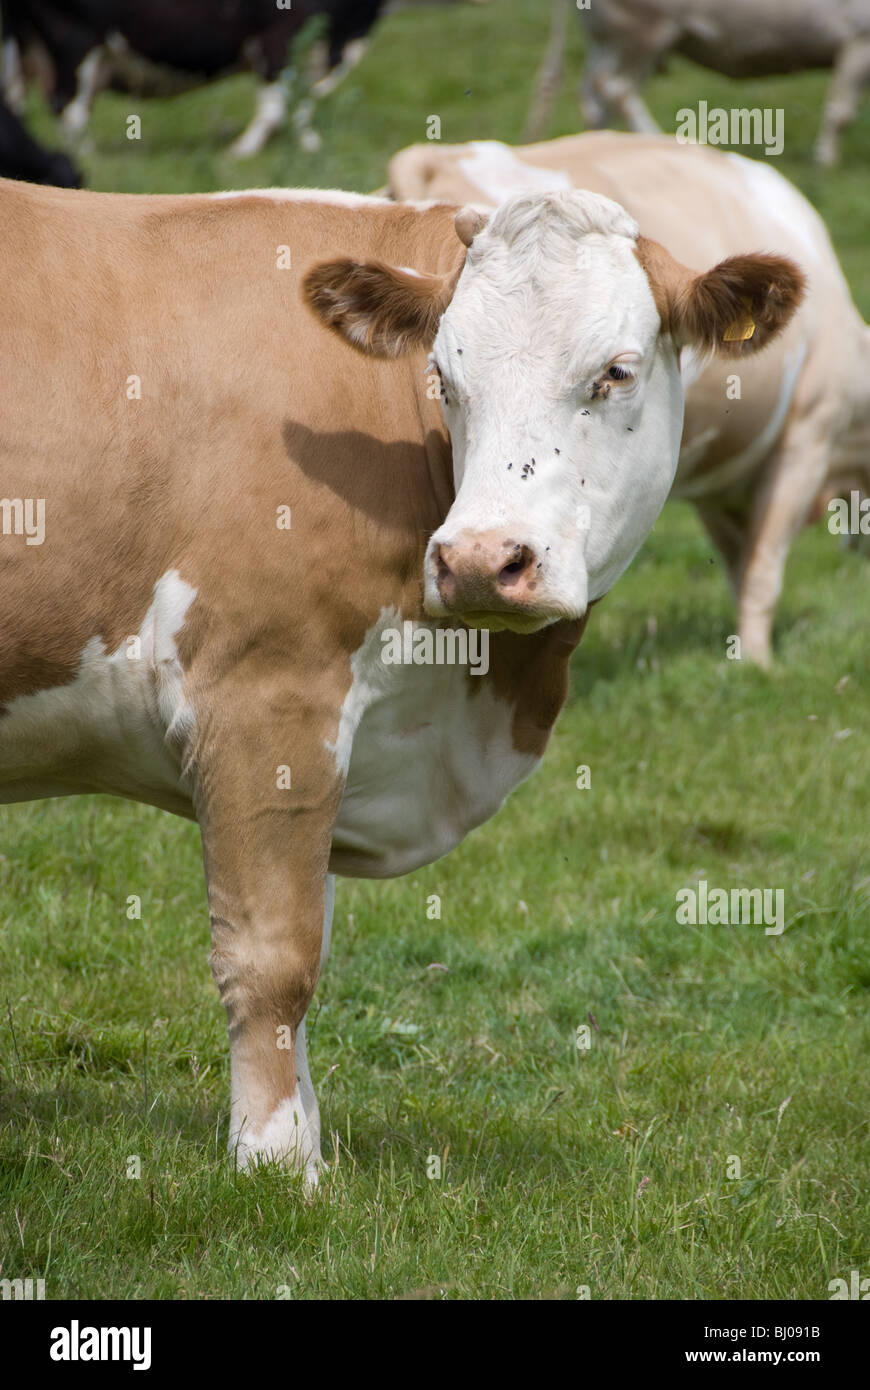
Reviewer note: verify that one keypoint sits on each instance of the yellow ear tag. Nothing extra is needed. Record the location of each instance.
(740, 329)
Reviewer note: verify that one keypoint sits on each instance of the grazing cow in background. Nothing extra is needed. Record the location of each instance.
(237, 503)
(759, 447)
(629, 39)
(22, 158)
(161, 46)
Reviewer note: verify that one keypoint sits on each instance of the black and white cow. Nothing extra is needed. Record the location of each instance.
(158, 46)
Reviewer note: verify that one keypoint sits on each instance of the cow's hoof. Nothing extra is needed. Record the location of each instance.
(286, 1139)
(757, 654)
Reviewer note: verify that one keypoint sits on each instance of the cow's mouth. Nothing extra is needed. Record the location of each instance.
(523, 623)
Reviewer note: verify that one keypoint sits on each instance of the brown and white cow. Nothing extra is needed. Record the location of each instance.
(760, 446)
(217, 509)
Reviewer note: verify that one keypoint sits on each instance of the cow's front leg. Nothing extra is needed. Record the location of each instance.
(267, 820)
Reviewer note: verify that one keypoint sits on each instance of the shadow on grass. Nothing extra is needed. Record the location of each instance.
(698, 633)
(195, 1121)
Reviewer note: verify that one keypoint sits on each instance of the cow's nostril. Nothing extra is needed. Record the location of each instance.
(441, 564)
(523, 559)
(445, 579)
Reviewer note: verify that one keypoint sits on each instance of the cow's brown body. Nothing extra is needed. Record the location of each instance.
(247, 406)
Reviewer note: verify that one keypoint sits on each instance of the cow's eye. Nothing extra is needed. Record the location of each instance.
(618, 372)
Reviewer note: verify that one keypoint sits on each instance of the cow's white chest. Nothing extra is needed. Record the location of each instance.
(428, 754)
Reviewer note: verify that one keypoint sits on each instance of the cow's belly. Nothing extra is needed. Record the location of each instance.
(118, 727)
(429, 756)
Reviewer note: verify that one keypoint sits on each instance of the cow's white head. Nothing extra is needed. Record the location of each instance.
(558, 347)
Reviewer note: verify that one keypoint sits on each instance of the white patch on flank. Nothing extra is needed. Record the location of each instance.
(428, 755)
(121, 726)
(496, 171)
(285, 1138)
(748, 460)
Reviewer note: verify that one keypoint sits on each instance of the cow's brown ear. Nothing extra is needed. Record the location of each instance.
(734, 309)
(377, 308)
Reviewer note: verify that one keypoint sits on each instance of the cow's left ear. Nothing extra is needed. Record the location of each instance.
(377, 308)
(734, 309)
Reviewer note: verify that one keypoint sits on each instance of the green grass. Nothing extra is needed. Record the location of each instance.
(607, 1168)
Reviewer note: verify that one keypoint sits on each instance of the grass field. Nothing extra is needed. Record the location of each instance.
(611, 1168)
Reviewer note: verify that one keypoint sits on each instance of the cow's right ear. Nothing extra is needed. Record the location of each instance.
(377, 308)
